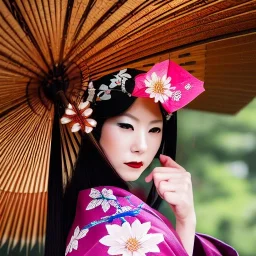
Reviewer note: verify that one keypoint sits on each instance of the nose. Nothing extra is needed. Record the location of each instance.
(139, 144)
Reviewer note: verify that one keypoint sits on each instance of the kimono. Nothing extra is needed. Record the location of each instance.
(112, 221)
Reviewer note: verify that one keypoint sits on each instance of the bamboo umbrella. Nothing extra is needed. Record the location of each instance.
(47, 46)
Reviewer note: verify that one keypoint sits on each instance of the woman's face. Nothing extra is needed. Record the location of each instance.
(131, 140)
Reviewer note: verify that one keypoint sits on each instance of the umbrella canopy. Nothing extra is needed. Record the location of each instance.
(49, 46)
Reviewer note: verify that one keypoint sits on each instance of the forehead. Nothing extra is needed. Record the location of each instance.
(145, 108)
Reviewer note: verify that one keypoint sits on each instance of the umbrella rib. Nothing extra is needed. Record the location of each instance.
(12, 108)
(51, 7)
(131, 33)
(40, 96)
(40, 143)
(32, 30)
(43, 33)
(73, 139)
(28, 100)
(106, 33)
(38, 29)
(161, 38)
(26, 30)
(67, 138)
(15, 48)
(78, 141)
(50, 35)
(31, 140)
(64, 163)
(66, 141)
(83, 19)
(16, 66)
(5, 224)
(37, 141)
(66, 152)
(106, 15)
(65, 28)
(8, 5)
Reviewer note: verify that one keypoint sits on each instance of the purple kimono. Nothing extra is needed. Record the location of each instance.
(112, 221)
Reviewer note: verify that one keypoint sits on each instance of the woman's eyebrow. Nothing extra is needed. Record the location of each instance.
(156, 121)
(137, 119)
(131, 116)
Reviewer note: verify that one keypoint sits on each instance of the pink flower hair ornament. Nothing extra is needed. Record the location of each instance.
(169, 84)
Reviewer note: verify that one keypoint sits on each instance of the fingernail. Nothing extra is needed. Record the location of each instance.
(162, 157)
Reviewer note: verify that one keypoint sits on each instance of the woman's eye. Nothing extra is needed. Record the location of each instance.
(125, 126)
(155, 130)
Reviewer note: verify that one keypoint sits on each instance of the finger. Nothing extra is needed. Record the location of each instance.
(158, 177)
(174, 176)
(166, 169)
(165, 186)
(179, 181)
(161, 170)
(172, 198)
(166, 161)
(149, 177)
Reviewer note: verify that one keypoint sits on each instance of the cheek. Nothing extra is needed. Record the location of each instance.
(110, 139)
(155, 143)
(106, 138)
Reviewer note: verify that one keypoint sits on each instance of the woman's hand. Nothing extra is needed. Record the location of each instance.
(173, 184)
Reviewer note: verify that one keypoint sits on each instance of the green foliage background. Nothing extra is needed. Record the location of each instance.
(220, 152)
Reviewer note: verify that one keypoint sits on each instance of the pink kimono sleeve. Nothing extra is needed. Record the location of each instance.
(112, 221)
(210, 246)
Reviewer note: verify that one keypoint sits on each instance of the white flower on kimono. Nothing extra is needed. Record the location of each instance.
(119, 79)
(131, 240)
(159, 87)
(79, 118)
(73, 244)
(104, 94)
(105, 198)
(176, 95)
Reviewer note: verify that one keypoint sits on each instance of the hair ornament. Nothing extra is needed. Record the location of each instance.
(91, 92)
(116, 84)
(78, 118)
(168, 117)
(120, 80)
(166, 82)
(169, 84)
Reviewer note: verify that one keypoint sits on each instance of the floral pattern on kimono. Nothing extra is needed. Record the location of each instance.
(112, 221)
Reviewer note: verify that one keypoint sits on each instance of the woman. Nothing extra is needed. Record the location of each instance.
(129, 121)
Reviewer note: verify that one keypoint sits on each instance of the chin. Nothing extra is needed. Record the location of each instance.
(131, 177)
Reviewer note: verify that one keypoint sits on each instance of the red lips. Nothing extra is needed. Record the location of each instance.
(134, 164)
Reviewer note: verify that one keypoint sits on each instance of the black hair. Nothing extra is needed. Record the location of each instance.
(91, 169)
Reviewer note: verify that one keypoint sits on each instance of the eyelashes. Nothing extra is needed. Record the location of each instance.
(155, 130)
(127, 126)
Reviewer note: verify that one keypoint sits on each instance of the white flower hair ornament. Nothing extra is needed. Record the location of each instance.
(119, 79)
(169, 84)
(79, 118)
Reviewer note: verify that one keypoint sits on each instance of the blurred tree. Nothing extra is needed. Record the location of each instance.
(220, 153)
